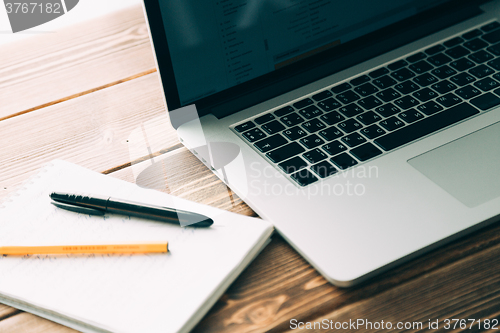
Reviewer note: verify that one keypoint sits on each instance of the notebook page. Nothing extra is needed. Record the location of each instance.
(125, 293)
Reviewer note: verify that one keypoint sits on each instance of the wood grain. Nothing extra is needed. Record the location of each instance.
(29, 323)
(50, 68)
(100, 131)
(466, 289)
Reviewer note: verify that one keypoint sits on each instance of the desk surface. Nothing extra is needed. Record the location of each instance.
(91, 95)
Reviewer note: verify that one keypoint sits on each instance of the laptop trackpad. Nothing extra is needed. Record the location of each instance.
(467, 168)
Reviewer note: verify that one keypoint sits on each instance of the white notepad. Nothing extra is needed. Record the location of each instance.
(126, 293)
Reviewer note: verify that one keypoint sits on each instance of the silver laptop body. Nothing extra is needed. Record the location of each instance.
(389, 208)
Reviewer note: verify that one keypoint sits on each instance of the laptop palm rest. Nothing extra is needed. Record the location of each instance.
(467, 168)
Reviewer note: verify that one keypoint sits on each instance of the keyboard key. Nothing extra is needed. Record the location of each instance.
(406, 87)
(312, 141)
(283, 111)
(481, 56)
(452, 42)
(349, 125)
(292, 119)
(372, 132)
(448, 100)
(462, 64)
(310, 112)
(303, 103)
(486, 101)
(423, 95)
(332, 117)
(293, 165)
(384, 82)
(406, 102)
(285, 152)
(270, 143)
(475, 44)
(487, 84)
(304, 177)
(468, 92)
(397, 64)
(387, 110)
(348, 97)
(254, 135)
(434, 49)
(462, 79)
(439, 59)
(245, 126)
(322, 95)
(443, 87)
(360, 80)
(388, 95)
(351, 110)
(294, 133)
(313, 125)
(481, 71)
(353, 140)
(368, 118)
(443, 72)
(343, 161)
(457, 52)
(429, 108)
(410, 116)
(425, 126)
(329, 104)
(314, 156)
(416, 57)
(334, 148)
(365, 152)
(391, 124)
(366, 89)
(472, 34)
(421, 67)
(425, 80)
(378, 72)
(490, 26)
(273, 127)
(369, 102)
(264, 119)
(403, 74)
(324, 169)
(495, 49)
(341, 87)
(495, 64)
(492, 37)
(331, 133)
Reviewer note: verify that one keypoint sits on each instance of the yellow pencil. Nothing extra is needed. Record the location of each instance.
(77, 249)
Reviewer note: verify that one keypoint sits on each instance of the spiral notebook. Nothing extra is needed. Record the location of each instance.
(119, 293)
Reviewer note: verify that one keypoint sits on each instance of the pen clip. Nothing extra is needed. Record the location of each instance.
(77, 208)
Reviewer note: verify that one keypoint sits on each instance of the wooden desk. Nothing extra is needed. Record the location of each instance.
(82, 93)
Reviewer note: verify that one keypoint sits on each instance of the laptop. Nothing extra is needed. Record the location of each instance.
(367, 132)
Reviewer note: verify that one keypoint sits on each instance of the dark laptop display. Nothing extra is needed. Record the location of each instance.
(216, 45)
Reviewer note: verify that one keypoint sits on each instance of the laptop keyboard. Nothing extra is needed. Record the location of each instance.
(379, 111)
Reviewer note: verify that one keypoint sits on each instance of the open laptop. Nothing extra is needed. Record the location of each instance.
(367, 132)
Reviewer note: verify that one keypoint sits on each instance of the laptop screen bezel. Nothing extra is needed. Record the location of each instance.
(280, 81)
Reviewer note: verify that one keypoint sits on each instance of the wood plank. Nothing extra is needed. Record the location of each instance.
(6, 311)
(181, 174)
(466, 289)
(100, 131)
(29, 323)
(50, 68)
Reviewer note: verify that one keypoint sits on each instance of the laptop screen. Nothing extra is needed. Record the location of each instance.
(219, 44)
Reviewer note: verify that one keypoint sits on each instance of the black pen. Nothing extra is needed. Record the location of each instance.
(98, 205)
